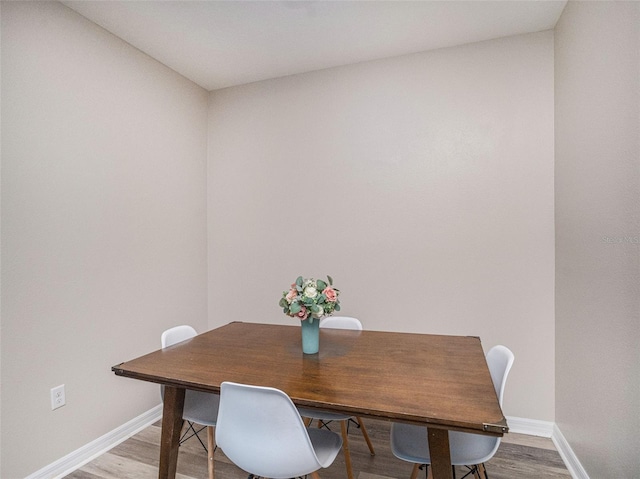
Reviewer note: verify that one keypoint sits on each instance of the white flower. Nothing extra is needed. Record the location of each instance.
(310, 292)
(320, 313)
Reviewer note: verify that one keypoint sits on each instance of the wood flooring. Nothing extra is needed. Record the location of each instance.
(519, 457)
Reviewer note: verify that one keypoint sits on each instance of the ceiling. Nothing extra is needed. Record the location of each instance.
(218, 44)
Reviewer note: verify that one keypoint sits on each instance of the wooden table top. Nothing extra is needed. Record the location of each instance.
(434, 380)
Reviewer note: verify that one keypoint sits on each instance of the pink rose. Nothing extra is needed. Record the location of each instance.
(302, 314)
(330, 294)
(291, 295)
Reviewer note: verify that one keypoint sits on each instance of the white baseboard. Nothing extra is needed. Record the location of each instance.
(531, 427)
(78, 458)
(568, 456)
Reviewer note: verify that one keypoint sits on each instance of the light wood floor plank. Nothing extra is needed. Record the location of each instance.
(532, 441)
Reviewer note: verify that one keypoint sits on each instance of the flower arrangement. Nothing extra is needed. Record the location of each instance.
(310, 298)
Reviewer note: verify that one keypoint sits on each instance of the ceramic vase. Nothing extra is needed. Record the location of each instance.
(310, 335)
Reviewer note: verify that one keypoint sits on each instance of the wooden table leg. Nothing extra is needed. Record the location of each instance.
(440, 455)
(171, 427)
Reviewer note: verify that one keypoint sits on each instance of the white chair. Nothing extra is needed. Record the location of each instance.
(260, 431)
(199, 407)
(324, 417)
(409, 442)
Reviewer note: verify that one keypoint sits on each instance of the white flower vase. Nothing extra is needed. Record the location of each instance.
(310, 335)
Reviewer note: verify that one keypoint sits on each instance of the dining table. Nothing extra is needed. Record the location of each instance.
(441, 382)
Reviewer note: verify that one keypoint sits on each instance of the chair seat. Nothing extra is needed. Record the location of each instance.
(409, 443)
(322, 415)
(326, 444)
(201, 407)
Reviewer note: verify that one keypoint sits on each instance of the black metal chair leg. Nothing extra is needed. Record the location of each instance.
(471, 470)
(187, 436)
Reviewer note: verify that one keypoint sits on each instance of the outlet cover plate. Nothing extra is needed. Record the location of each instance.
(57, 397)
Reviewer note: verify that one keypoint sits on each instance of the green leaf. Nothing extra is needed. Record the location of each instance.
(330, 280)
(321, 285)
(295, 308)
(337, 308)
(283, 303)
(299, 281)
(315, 308)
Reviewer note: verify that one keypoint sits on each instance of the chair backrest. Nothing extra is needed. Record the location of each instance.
(474, 448)
(341, 322)
(499, 359)
(173, 336)
(260, 430)
(177, 334)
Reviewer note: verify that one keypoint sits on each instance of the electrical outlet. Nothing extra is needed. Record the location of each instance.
(57, 397)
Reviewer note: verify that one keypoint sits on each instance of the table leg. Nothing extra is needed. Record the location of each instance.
(171, 427)
(440, 455)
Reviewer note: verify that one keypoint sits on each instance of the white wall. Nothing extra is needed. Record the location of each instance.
(597, 75)
(103, 226)
(423, 184)
(0, 249)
